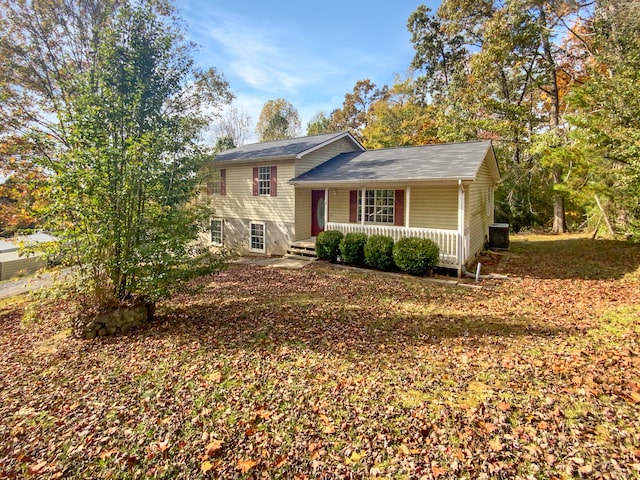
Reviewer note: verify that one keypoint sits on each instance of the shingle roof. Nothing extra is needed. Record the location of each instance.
(429, 162)
(14, 244)
(279, 149)
(7, 246)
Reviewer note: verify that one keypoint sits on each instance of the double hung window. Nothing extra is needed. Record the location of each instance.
(257, 237)
(378, 205)
(217, 184)
(264, 181)
(216, 231)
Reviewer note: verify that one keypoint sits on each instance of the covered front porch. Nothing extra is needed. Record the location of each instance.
(433, 211)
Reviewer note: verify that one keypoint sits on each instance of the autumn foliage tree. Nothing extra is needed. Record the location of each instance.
(278, 120)
(21, 187)
(353, 116)
(496, 70)
(399, 119)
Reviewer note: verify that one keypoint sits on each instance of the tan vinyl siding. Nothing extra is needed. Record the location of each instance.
(239, 201)
(434, 207)
(315, 158)
(303, 214)
(339, 205)
(13, 265)
(477, 208)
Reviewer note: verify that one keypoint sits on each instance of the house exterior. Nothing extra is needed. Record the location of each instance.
(269, 196)
(14, 263)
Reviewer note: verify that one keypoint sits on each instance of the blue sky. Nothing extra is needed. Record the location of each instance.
(310, 53)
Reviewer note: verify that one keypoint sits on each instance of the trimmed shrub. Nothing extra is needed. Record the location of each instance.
(416, 256)
(378, 252)
(328, 245)
(352, 248)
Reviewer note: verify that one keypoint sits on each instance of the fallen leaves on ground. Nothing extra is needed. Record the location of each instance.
(325, 373)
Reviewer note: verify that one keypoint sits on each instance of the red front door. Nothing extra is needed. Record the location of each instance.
(317, 212)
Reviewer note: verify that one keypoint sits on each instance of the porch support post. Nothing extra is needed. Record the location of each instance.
(460, 227)
(362, 205)
(326, 207)
(407, 203)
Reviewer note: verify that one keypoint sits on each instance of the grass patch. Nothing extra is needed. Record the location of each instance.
(15, 301)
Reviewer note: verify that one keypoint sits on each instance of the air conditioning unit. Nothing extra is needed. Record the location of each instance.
(499, 236)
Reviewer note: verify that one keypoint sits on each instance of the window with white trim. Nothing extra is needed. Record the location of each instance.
(257, 237)
(264, 181)
(490, 202)
(379, 206)
(216, 185)
(216, 231)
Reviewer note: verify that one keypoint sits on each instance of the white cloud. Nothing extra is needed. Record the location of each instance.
(271, 55)
(251, 53)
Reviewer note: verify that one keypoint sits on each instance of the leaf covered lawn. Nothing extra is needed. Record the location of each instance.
(331, 373)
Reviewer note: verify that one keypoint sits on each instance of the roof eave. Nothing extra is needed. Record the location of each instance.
(235, 161)
(379, 181)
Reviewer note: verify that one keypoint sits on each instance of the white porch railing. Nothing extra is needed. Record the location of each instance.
(447, 240)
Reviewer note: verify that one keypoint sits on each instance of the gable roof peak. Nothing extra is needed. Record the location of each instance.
(286, 149)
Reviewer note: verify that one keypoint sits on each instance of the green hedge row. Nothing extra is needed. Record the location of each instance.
(416, 256)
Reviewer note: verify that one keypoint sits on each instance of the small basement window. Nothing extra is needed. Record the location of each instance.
(257, 237)
(216, 231)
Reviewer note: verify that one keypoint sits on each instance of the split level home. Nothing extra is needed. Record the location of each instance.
(275, 197)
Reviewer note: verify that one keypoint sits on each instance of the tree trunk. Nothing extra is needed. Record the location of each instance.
(559, 220)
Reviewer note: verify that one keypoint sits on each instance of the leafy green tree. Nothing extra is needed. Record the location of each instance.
(120, 139)
(278, 120)
(439, 54)
(318, 124)
(224, 143)
(607, 110)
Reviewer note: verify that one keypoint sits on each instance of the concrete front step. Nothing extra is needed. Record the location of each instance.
(303, 248)
(300, 258)
(302, 252)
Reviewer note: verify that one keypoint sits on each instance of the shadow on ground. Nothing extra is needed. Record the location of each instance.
(351, 332)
